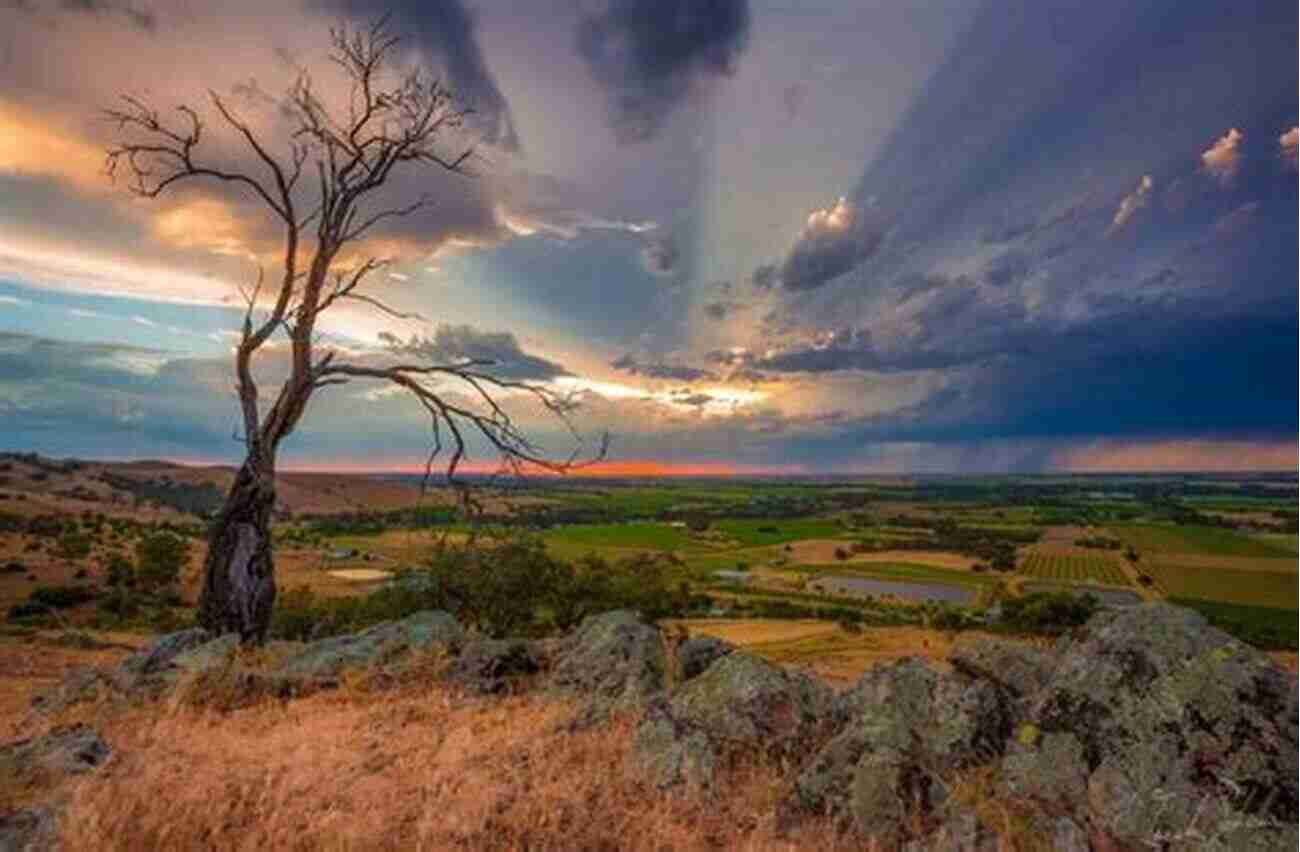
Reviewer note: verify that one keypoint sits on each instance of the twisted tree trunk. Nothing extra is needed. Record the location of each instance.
(238, 573)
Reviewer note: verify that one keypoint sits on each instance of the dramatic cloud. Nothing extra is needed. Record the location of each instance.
(658, 370)
(499, 351)
(652, 54)
(444, 30)
(834, 241)
(1222, 159)
(1132, 203)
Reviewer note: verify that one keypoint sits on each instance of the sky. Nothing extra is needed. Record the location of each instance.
(747, 235)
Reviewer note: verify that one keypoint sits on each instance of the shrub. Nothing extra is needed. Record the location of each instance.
(74, 545)
(1047, 612)
(120, 571)
(159, 558)
(510, 587)
(45, 599)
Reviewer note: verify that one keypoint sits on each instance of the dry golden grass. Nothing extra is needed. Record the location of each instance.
(417, 769)
(29, 665)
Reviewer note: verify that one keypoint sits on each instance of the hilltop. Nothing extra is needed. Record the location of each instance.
(1145, 725)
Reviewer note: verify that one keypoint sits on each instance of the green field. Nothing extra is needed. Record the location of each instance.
(1264, 627)
(1074, 568)
(1214, 583)
(1211, 540)
(640, 535)
(758, 533)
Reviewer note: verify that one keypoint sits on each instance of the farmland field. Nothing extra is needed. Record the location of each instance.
(1189, 539)
(1074, 568)
(1216, 583)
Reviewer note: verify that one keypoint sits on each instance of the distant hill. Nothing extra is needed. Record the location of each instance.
(31, 484)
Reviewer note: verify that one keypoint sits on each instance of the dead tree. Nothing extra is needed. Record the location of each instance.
(322, 186)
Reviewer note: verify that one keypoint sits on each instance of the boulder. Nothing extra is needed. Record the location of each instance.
(78, 685)
(493, 666)
(373, 646)
(739, 705)
(157, 656)
(71, 750)
(29, 830)
(611, 662)
(1183, 734)
(901, 729)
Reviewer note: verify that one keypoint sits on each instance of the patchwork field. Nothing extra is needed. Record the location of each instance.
(1074, 567)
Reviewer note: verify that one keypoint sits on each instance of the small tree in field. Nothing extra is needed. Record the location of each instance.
(159, 558)
(390, 125)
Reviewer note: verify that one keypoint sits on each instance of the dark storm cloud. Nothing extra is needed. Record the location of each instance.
(445, 30)
(659, 370)
(500, 351)
(651, 54)
(835, 241)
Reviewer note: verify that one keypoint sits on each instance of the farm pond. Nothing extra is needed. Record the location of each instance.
(902, 589)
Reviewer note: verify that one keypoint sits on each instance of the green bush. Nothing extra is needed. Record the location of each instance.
(159, 558)
(74, 545)
(1047, 612)
(512, 587)
(45, 599)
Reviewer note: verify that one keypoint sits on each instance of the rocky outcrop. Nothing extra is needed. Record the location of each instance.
(1174, 730)
(64, 751)
(29, 829)
(903, 729)
(494, 666)
(1145, 728)
(376, 645)
(612, 662)
(41, 762)
(739, 705)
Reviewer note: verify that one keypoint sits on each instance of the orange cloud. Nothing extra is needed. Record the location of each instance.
(1220, 160)
(32, 145)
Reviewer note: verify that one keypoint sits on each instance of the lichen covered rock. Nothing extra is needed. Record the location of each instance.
(493, 666)
(71, 750)
(1183, 732)
(611, 662)
(739, 705)
(902, 728)
(376, 645)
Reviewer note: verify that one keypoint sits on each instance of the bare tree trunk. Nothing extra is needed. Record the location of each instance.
(238, 574)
